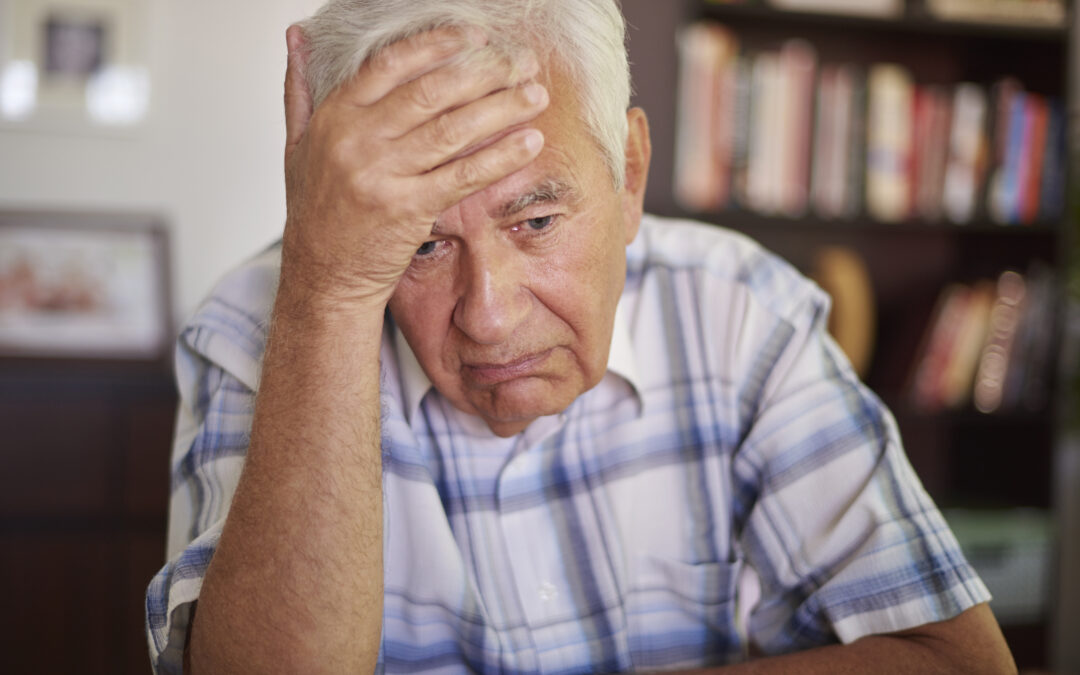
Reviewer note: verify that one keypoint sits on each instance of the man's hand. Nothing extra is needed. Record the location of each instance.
(370, 170)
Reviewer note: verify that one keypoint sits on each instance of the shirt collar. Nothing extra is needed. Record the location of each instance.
(415, 383)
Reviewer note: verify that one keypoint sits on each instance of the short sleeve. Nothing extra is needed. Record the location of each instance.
(211, 441)
(843, 537)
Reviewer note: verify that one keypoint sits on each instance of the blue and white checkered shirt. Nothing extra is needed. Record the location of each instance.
(729, 483)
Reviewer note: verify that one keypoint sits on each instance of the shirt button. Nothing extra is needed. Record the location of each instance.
(547, 591)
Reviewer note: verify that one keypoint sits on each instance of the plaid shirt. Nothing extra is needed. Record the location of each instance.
(728, 483)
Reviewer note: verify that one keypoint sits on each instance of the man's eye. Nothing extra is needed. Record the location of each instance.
(427, 248)
(539, 223)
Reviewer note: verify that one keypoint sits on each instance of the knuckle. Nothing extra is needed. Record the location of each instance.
(361, 184)
(468, 173)
(426, 93)
(385, 61)
(446, 133)
(339, 153)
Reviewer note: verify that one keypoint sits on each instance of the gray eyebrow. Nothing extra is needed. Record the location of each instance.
(550, 190)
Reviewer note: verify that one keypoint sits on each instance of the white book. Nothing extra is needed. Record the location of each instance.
(766, 119)
(967, 148)
(888, 142)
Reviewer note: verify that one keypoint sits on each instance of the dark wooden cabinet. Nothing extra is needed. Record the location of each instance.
(84, 484)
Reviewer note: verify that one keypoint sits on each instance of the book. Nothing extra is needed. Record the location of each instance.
(826, 184)
(856, 165)
(967, 155)
(958, 376)
(931, 151)
(946, 365)
(1033, 150)
(888, 142)
(997, 351)
(763, 174)
(1052, 176)
(1005, 126)
(837, 121)
(938, 343)
(797, 75)
(742, 123)
(705, 116)
(1027, 379)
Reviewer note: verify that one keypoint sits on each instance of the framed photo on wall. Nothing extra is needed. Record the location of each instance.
(83, 286)
(73, 65)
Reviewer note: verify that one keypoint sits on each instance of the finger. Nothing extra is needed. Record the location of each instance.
(405, 60)
(298, 106)
(462, 177)
(427, 97)
(471, 127)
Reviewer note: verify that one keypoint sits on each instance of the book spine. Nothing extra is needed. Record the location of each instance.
(1005, 144)
(997, 352)
(855, 180)
(741, 130)
(703, 142)
(1037, 118)
(927, 388)
(967, 153)
(823, 176)
(959, 374)
(937, 155)
(798, 72)
(889, 134)
(1052, 188)
(766, 118)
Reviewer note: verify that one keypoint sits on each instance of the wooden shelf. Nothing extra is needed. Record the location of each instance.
(911, 22)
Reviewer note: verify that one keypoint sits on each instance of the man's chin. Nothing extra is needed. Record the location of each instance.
(510, 407)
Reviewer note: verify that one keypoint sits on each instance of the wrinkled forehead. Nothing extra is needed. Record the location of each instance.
(570, 165)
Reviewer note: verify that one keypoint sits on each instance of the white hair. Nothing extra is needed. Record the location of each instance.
(587, 37)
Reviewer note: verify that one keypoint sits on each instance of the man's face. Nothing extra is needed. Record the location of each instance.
(510, 309)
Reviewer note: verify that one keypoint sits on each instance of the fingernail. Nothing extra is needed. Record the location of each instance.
(293, 38)
(536, 93)
(534, 140)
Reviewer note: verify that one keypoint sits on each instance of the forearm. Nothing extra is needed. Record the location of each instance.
(971, 642)
(296, 581)
(877, 655)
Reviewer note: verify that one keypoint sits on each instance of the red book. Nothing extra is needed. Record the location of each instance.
(1038, 116)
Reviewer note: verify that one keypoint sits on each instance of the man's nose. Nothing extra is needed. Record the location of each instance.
(493, 300)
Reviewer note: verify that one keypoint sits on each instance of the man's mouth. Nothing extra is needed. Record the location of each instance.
(494, 373)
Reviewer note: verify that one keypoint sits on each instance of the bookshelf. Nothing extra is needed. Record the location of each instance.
(970, 461)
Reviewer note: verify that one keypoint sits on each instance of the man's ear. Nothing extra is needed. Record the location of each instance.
(638, 156)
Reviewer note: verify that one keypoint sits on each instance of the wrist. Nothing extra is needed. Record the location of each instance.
(311, 288)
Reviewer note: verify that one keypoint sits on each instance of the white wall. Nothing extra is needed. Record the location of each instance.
(209, 155)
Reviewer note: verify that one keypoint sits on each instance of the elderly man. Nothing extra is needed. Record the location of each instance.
(478, 413)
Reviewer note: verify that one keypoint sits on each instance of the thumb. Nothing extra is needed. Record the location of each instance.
(298, 106)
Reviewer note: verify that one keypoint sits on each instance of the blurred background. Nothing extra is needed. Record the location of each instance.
(915, 157)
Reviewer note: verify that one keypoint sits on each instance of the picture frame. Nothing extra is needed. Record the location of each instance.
(84, 286)
(73, 65)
